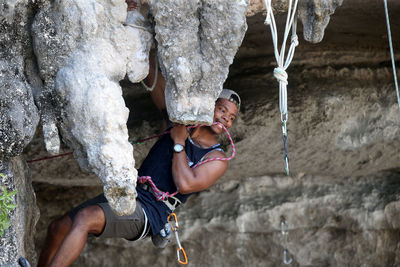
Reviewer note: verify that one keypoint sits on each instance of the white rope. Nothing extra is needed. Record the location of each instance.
(155, 75)
(392, 53)
(280, 71)
(150, 30)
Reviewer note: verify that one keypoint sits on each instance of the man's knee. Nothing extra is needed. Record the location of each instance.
(90, 219)
(60, 226)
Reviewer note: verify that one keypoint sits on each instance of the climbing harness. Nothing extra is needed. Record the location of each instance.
(391, 52)
(285, 233)
(280, 71)
(174, 226)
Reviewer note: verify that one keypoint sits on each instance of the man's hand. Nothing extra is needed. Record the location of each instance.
(132, 5)
(179, 134)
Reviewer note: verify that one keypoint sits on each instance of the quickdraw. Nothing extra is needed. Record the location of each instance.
(180, 250)
(287, 259)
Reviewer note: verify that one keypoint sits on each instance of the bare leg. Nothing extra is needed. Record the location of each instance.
(56, 233)
(88, 220)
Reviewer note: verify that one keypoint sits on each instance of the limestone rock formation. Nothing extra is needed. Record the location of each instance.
(197, 41)
(314, 14)
(83, 51)
(19, 115)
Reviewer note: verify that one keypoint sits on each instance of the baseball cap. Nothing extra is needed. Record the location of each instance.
(231, 96)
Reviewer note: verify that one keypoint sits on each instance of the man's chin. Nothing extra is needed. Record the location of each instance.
(217, 129)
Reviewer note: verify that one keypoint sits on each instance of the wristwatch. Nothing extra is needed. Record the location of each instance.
(178, 148)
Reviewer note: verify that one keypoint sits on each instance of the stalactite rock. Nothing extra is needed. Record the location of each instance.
(314, 14)
(83, 51)
(197, 41)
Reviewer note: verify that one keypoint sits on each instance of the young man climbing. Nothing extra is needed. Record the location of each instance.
(168, 164)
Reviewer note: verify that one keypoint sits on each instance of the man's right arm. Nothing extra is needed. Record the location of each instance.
(158, 93)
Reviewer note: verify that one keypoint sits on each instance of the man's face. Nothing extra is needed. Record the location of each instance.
(225, 112)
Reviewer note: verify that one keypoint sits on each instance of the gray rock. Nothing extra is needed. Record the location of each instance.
(197, 41)
(19, 118)
(18, 239)
(83, 51)
(18, 113)
(315, 16)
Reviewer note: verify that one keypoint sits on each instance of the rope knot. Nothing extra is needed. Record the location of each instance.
(267, 19)
(281, 75)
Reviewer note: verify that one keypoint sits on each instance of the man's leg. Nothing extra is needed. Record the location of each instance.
(88, 220)
(56, 233)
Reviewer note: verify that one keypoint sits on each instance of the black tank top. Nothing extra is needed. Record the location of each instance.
(158, 165)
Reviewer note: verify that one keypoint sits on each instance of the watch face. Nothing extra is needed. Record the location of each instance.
(178, 148)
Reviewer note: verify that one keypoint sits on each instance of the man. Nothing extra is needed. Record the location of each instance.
(169, 165)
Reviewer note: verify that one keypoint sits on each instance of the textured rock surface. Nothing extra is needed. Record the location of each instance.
(19, 115)
(314, 14)
(197, 41)
(18, 240)
(83, 51)
(18, 121)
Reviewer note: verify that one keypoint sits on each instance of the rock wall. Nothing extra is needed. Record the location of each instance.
(18, 120)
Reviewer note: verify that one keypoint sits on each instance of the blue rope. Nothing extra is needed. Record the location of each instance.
(391, 52)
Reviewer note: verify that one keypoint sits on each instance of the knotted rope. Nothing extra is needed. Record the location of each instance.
(280, 71)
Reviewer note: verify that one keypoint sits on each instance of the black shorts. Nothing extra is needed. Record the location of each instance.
(130, 227)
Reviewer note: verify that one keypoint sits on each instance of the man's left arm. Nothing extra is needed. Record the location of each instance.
(189, 180)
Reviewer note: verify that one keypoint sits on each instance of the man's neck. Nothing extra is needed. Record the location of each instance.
(204, 136)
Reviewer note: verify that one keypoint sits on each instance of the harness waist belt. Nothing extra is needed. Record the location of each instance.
(171, 202)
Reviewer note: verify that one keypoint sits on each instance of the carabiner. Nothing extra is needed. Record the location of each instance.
(175, 220)
(287, 166)
(184, 256)
(285, 260)
(283, 228)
